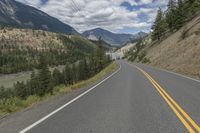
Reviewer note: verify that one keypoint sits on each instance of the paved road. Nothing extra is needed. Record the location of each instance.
(137, 99)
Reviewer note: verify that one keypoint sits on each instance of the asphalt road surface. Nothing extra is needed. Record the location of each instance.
(135, 99)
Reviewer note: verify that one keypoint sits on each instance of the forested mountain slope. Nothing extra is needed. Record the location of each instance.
(21, 49)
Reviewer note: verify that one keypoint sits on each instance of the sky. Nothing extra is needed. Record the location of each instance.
(119, 16)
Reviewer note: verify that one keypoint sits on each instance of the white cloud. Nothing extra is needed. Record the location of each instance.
(146, 1)
(88, 14)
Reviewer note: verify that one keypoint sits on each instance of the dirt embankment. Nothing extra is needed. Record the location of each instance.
(180, 52)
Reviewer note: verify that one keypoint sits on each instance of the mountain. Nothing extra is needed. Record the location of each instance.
(13, 13)
(111, 38)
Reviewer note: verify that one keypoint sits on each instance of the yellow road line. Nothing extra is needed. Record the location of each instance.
(179, 108)
(169, 101)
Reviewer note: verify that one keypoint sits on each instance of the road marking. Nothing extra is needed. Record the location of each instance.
(178, 74)
(70, 102)
(173, 105)
(178, 107)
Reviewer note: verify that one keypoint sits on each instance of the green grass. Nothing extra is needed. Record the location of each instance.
(14, 104)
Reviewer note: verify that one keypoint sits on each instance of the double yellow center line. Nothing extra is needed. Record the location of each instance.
(187, 121)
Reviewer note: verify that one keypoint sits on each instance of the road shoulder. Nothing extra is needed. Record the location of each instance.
(19, 120)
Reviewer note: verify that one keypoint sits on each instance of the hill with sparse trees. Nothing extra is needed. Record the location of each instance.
(22, 48)
(174, 43)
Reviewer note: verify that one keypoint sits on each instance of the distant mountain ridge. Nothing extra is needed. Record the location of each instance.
(111, 38)
(16, 14)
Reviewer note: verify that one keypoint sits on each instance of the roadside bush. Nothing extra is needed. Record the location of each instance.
(141, 56)
(32, 99)
(146, 60)
(10, 105)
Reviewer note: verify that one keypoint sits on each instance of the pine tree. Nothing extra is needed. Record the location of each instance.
(171, 15)
(91, 65)
(159, 27)
(67, 73)
(86, 68)
(44, 78)
(99, 57)
(180, 15)
(57, 77)
(192, 6)
(21, 90)
(33, 84)
(74, 73)
(81, 70)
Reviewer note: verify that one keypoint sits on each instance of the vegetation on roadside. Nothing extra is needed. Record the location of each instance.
(46, 84)
(137, 54)
(178, 13)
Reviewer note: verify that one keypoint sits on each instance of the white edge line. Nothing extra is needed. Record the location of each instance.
(65, 105)
(177, 74)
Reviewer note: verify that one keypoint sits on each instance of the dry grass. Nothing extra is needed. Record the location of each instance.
(31, 38)
(180, 52)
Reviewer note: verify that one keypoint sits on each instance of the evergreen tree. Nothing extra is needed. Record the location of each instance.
(159, 27)
(180, 15)
(68, 77)
(21, 90)
(33, 84)
(74, 73)
(92, 65)
(171, 15)
(99, 57)
(86, 68)
(44, 78)
(81, 70)
(192, 7)
(57, 77)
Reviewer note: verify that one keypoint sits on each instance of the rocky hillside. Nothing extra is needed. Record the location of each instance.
(16, 14)
(180, 52)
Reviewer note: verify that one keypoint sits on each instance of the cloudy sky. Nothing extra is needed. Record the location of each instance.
(123, 16)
